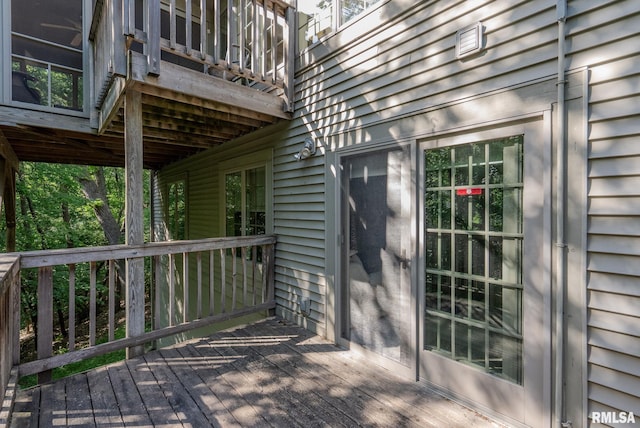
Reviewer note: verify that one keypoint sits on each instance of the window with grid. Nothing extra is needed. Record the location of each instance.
(473, 255)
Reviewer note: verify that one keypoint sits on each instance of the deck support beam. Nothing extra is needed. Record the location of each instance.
(9, 165)
(133, 142)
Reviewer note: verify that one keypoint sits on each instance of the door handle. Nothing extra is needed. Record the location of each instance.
(404, 261)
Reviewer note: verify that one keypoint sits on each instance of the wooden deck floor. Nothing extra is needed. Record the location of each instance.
(270, 373)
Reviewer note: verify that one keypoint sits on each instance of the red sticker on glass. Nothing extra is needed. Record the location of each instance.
(470, 191)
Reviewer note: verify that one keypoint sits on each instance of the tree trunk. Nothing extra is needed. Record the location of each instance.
(94, 188)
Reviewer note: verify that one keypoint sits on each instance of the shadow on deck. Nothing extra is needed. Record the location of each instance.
(270, 373)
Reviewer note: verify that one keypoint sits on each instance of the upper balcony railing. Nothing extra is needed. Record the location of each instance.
(249, 42)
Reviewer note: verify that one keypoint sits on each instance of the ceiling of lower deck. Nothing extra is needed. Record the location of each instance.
(172, 131)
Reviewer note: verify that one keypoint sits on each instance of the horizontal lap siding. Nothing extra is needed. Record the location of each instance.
(605, 38)
(394, 63)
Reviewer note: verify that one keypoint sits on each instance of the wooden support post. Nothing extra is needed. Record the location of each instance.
(45, 319)
(10, 210)
(134, 216)
(9, 202)
(3, 173)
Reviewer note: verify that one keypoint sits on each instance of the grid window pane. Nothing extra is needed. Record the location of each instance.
(474, 254)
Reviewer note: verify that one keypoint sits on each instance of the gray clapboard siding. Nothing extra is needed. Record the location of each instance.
(437, 73)
(605, 358)
(609, 225)
(626, 285)
(614, 263)
(614, 205)
(614, 147)
(614, 166)
(603, 314)
(606, 376)
(624, 184)
(610, 398)
(616, 342)
(603, 38)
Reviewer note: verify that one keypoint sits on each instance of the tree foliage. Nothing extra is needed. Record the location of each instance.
(66, 206)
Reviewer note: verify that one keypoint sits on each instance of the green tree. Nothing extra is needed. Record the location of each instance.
(66, 206)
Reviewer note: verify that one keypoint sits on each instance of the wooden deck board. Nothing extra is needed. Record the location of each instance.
(270, 373)
(105, 405)
(79, 405)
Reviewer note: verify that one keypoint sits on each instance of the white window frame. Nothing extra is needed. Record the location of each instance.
(181, 178)
(256, 160)
(337, 22)
(6, 53)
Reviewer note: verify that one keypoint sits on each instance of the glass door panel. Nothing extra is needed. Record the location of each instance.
(473, 275)
(376, 296)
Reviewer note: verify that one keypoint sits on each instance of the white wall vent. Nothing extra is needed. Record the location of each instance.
(469, 40)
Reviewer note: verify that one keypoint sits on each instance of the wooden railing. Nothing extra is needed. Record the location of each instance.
(9, 331)
(250, 42)
(193, 284)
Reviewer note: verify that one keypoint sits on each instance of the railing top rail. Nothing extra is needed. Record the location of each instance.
(9, 267)
(33, 259)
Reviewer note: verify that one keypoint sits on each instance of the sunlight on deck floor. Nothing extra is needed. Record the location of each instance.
(271, 373)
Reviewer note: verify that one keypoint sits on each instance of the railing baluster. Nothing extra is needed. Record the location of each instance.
(172, 24)
(172, 290)
(217, 32)
(243, 252)
(112, 299)
(185, 287)
(199, 269)
(230, 33)
(153, 37)
(223, 282)
(92, 303)
(45, 318)
(263, 41)
(157, 272)
(241, 42)
(269, 273)
(233, 279)
(254, 39)
(203, 29)
(274, 43)
(264, 273)
(188, 26)
(212, 299)
(254, 262)
(72, 307)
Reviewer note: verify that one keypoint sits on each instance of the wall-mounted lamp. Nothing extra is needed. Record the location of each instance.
(308, 149)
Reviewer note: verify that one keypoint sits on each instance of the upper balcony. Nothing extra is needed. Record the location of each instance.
(208, 71)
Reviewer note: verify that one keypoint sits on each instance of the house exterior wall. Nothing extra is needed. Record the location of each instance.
(392, 77)
(600, 37)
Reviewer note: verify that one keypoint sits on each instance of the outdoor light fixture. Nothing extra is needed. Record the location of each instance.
(308, 149)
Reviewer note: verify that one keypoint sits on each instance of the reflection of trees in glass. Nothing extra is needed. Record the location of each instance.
(351, 8)
(473, 254)
(177, 210)
(46, 48)
(233, 189)
(245, 207)
(66, 86)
